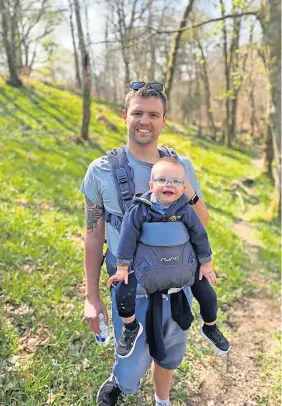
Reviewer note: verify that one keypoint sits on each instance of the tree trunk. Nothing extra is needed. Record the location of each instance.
(76, 61)
(271, 25)
(253, 114)
(227, 136)
(127, 75)
(152, 45)
(198, 93)
(9, 48)
(268, 153)
(235, 67)
(233, 122)
(205, 78)
(174, 50)
(86, 71)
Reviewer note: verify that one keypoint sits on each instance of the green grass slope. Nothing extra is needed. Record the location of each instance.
(47, 354)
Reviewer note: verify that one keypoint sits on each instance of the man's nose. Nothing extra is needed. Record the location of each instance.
(145, 119)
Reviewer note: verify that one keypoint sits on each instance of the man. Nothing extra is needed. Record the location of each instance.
(145, 116)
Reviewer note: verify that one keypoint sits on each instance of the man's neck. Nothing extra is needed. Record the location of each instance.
(147, 153)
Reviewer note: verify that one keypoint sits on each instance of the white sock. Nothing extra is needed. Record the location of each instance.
(161, 402)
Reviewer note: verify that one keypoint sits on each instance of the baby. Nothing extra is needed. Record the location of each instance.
(165, 201)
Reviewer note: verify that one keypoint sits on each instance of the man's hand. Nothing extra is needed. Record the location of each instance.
(207, 271)
(189, 190)
(92, 309)
(120, 275)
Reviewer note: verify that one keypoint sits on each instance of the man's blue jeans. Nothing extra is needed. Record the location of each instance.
(129, 371)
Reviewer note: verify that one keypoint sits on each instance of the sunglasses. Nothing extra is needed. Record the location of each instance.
(159, 87)
(162, 181)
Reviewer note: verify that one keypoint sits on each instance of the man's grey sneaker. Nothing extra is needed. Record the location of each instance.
(108, 393)
(216, 338)
(126, 344)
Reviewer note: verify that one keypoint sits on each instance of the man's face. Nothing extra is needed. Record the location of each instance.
(144, 119)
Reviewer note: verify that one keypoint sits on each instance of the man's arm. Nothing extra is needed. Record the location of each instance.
(199, 207)
(93, 254)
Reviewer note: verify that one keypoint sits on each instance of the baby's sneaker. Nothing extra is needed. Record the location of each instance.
(216, 338)
(126, 344)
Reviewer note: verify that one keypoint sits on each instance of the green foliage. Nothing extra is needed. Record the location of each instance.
(47, 354)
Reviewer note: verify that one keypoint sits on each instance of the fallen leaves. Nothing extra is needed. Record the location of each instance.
(12, 310)
(30, 341)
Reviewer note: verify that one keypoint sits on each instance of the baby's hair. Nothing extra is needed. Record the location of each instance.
(165, 159)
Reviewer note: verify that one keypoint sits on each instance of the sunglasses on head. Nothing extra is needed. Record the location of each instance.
(159, 87)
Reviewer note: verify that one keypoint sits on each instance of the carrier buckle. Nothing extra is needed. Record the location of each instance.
(121, 175)
(125, 195)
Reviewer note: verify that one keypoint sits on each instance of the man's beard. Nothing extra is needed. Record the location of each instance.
(141, 140)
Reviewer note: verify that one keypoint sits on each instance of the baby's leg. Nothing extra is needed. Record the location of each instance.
(207, 300)
(125, 300)
(206, 297)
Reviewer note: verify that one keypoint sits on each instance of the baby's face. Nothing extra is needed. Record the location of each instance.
(167, 183)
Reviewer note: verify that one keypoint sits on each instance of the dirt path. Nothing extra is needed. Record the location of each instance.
(253, 321)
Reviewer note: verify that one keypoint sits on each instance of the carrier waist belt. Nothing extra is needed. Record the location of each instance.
(164, 234)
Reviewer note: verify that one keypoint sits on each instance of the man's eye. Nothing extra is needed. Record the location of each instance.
(154, 115)
(136, 114)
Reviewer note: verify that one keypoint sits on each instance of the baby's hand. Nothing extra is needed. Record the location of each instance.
(120, 275)
(207, 271)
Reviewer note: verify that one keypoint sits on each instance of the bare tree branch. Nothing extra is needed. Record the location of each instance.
(213, 20)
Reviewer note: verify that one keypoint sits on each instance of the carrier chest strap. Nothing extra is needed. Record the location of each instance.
(113, 219)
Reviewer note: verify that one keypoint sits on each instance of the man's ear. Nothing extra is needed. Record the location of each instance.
(151, 185)
(164, 120)
(124, 115)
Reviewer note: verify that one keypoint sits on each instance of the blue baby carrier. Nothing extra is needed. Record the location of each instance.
(164, 256)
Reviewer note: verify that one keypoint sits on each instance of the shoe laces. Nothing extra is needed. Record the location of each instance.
(126, 335)
(217, 334)
(115, 390)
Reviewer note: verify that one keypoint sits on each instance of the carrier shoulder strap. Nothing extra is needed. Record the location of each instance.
(123, 177)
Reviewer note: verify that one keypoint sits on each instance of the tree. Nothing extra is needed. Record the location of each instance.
(25, 24)
(8, 34)
(270, 19)
(124, 16)
(86, 73)
(174, 49)
(228, 54)
(75, 54)
(206, 81)
(34, 24)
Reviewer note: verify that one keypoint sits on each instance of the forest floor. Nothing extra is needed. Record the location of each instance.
(245, 377)
(48, 355)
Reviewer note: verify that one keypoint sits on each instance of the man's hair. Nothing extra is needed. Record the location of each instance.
(166, 159)
(145, 91)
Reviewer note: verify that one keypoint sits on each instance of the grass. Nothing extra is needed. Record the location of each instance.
(47, 354)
